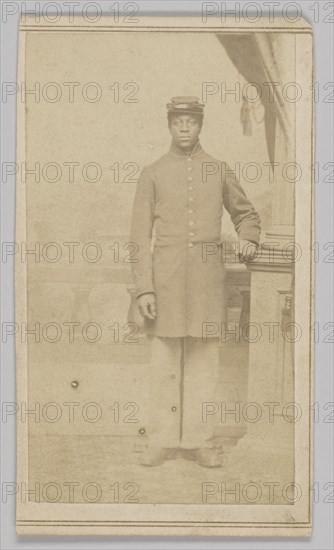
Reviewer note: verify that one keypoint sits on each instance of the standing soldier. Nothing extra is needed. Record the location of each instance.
(179, 289)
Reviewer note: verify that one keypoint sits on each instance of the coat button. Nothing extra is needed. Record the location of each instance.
(174, 409)
(189, 168)
(188, 159)
(74, 384)
(191, 199)
(173, 377)
(190, 245)
(191, 234)
(142, 431)
(190, 178)
(191, 223)
(190, 211)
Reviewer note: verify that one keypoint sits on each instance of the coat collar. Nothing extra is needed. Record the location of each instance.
(176, 151)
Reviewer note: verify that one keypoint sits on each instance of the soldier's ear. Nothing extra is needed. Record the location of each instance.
(169, 119)
(200, 122)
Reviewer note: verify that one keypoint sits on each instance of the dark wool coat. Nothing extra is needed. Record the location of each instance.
(183, 197)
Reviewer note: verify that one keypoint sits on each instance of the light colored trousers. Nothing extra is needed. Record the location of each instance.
(183, 375)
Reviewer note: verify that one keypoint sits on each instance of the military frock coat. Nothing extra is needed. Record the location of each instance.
(181, 198)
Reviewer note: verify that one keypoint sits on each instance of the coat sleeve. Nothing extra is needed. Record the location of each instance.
(141, 233)
(243, 215)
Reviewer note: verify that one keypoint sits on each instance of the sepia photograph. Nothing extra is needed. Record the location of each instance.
(163, 277)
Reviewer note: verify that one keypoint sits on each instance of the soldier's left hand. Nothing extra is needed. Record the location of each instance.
(247, 250)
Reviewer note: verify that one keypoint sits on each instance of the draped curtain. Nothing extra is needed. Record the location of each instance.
(258, 58)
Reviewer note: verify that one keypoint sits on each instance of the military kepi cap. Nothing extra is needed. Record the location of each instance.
(185, 105)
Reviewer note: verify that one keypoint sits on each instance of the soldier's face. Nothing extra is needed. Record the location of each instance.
(185, 130)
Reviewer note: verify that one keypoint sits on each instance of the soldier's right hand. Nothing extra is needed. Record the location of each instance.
(146, 305)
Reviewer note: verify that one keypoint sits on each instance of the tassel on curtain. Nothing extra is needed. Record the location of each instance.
(245, 117)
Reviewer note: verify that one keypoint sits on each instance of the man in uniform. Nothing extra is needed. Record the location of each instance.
(179, 288)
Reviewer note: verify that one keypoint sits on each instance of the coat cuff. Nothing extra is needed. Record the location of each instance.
(143, 294)
(252, 236)
(147, 289)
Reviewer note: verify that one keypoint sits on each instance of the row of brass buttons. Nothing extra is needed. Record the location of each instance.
(190, 211)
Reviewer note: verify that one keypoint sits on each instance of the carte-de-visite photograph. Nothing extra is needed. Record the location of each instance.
(163, 277)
